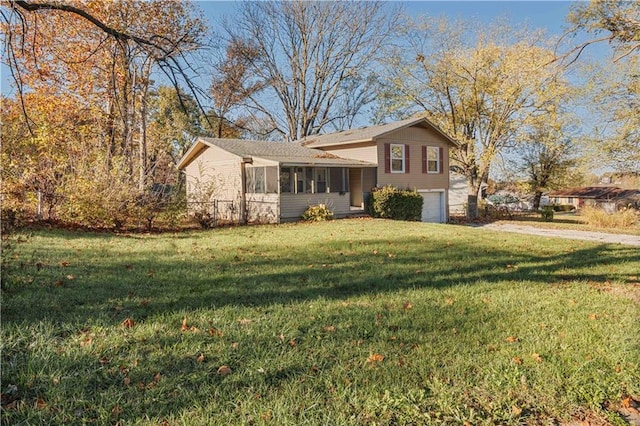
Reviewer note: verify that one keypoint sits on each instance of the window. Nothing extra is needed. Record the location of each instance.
(255, 180)
(570, 200)
(338, 179)
(299, 180)
(433, 159)
(397, 158)
(321, 180)
(285, 179)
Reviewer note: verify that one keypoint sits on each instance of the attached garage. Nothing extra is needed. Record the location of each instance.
(433, 207)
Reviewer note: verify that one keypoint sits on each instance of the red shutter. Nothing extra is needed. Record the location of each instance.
(387, 158)
(406, 159)
(424, 159)
(441, 159)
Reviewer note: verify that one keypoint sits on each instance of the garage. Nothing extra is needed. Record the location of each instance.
(433, 207)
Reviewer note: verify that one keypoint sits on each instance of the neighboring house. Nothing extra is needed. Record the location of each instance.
(608, 197)
(277, 181)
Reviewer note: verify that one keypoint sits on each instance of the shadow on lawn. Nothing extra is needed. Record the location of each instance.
(260, 275)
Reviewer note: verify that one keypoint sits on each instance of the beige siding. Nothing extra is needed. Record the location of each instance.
(368, 179)
(293, 205)
(222, 169)
(262, 208)
(415, 137)
(361, 151)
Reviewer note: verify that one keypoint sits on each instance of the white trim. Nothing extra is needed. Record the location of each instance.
(438, 160)
(404, 157)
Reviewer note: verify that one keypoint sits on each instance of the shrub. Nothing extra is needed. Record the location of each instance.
(317, 213)
(547, 213)
(393, 203)
(620, 219)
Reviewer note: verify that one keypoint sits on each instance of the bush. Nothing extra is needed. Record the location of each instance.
(393, 203)
(317, 213)
(547, 213)
(599, 218)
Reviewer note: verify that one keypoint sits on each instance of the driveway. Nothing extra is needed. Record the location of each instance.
(600, 237)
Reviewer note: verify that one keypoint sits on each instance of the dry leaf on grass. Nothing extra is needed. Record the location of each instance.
(128, 323)
(536, 357)
(224, 370)
(375, 358)
(512, 339)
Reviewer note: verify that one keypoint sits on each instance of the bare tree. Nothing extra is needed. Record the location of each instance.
(304, 54)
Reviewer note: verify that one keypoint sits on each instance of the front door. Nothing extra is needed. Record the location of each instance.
(355, 187)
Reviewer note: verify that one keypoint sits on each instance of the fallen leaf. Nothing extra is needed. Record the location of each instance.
(512, 339)
(215, 332)
(129, 267)
(200, 358)
(184, 327)
(104, 360)
(224, 370)
(70, 277)
(407, 305)
(375, 252)
(374, 358)
(517, 360)
(86, 342)
(64, 263)
(593, 316)
(536, 357)
(449, 301)
(515, 410)
(234, 345)
(157, 377)
(126, 381)
(244, 321)
(292, 343)
(626, 402)
(59, 283)
(128, 323)
(329, 329)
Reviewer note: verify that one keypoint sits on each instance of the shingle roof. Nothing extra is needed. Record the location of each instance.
(597, 192)
(282, 152)
(368, 133)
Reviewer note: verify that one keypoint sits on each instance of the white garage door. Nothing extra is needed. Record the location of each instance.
(432, 207)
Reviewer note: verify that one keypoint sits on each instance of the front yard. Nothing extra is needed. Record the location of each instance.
(347, 322)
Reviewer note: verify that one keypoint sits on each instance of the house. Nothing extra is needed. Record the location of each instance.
(276, 181)
(608, 197)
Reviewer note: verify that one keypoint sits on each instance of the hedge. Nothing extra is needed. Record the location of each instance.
(393, 203)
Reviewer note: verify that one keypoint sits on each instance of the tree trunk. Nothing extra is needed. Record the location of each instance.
(472, 207)
(536, 200)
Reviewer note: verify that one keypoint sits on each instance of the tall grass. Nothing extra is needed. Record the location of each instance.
(598, 217)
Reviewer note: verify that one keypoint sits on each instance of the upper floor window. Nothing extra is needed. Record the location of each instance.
(433, 159)
(397, 158)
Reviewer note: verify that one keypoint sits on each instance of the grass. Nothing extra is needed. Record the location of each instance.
(344, 322)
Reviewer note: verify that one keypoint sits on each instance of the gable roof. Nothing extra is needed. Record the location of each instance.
(371, 133)
(281, 152)
(597, 192)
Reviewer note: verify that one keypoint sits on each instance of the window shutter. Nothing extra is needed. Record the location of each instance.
(387, 158)
(441, 159)
(424, 159)
(406, 159)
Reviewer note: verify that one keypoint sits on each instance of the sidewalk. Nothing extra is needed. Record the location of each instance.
(601, 237)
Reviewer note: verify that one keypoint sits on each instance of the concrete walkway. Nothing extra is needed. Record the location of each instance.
(601, 237)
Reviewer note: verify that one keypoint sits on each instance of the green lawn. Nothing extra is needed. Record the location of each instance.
(347, 322)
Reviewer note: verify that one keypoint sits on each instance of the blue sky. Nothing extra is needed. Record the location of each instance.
(549, 15)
